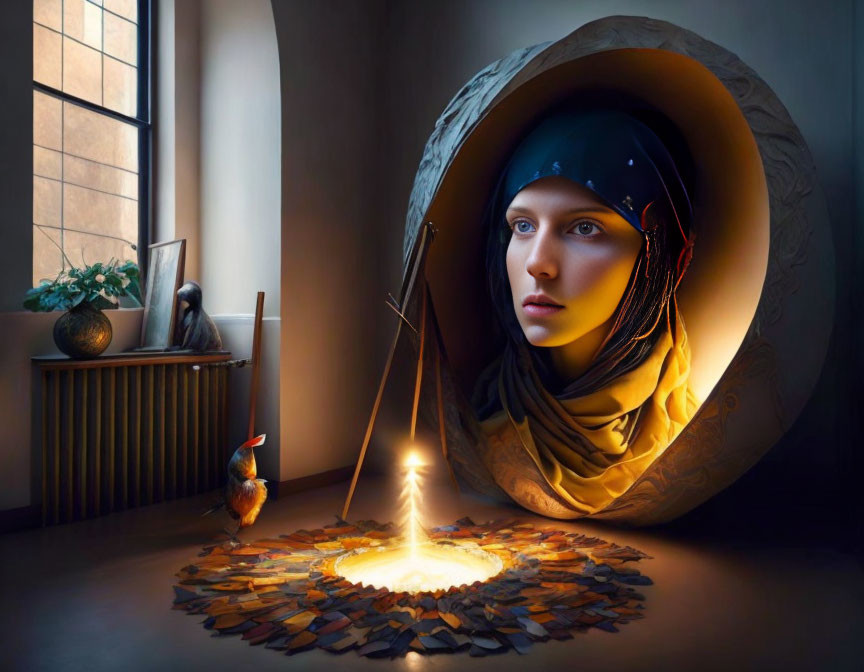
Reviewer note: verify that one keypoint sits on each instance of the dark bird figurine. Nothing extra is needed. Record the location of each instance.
(244, 494)
(197, 331)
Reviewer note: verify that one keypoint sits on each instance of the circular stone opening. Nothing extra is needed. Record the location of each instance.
(424, 567)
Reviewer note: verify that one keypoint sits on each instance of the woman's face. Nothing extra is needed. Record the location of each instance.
(570, 247)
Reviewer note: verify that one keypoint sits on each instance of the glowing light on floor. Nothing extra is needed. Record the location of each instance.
(418, 564)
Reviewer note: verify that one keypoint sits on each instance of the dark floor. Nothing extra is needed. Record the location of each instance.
(96, 595)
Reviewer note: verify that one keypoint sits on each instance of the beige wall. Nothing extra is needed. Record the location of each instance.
(334, 190)
(240, 156)
(176, 141)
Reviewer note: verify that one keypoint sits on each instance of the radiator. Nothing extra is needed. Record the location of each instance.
(125, 432)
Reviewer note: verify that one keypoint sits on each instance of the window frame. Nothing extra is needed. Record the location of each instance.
(142, 120)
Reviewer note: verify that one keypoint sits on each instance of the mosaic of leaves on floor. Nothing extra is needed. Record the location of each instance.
(284, 594)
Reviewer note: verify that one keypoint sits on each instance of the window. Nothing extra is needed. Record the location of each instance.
(91, 133)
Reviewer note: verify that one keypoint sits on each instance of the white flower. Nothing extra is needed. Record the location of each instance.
(112, 299)
(100, 278)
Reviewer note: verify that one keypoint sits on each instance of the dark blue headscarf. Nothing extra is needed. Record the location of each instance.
(612, 153)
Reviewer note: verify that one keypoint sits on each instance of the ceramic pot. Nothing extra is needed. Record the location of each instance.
(82, 332)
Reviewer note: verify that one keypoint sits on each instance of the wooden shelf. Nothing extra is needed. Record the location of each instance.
(62, 362)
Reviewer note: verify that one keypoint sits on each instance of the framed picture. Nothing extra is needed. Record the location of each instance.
(164, 277)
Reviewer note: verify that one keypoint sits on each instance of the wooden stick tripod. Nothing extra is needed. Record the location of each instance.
(416, 265)
(256, 363)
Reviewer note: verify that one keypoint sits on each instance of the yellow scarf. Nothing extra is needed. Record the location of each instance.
(592, 448)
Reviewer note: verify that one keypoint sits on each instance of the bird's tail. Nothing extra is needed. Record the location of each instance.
(218, 506)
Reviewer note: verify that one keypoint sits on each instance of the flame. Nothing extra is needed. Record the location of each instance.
(413, 461)
(411, 494)
(420, 564)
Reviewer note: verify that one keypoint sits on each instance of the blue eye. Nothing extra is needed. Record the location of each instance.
(519, 228)
(586, 228)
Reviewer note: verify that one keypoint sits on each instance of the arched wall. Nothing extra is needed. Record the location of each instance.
(334, 321)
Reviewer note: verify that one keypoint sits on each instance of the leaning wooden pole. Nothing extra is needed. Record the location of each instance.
(419, 380)
(416, 261)
(256, 363)
(439, 392)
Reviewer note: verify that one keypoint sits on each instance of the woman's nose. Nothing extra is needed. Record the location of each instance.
(542, 260)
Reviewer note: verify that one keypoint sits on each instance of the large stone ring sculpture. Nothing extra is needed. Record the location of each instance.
(759, 371)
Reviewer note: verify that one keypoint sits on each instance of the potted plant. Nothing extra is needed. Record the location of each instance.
(83, 331)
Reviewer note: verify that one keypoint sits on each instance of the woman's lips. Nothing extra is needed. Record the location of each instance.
(540, 310)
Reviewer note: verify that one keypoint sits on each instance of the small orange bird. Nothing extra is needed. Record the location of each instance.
(244, 494)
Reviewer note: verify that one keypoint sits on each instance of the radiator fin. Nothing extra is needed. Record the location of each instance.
(119, 437)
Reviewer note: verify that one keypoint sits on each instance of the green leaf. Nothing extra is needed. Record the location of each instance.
(133, 289)
(33, 303)
(34, 292)
(130, 268)
(51, 302)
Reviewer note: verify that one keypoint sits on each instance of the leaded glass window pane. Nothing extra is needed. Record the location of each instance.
(86, 162)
